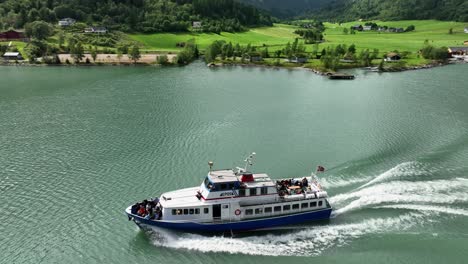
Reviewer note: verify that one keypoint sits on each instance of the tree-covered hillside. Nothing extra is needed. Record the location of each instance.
(348, 10)
(136, 15)
(287, 9)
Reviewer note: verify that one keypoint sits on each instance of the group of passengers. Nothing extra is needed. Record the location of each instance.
(148, 209)
(292, 186)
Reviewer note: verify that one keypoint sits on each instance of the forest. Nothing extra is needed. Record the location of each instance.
(137, 15)
(350, 10)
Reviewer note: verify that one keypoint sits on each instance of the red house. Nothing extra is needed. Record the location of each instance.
(11, 35)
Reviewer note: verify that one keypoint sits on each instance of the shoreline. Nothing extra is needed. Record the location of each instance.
(327, 73)
(235, 64)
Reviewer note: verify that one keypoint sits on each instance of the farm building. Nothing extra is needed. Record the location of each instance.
(12, 35)
(466, 30)
(66, 22)
(367, 28)
(12, 56)
(392, 56)
(357, 27)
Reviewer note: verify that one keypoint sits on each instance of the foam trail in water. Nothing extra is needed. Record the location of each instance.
(439, 192)
(406, 169)
(311, 241)
(340, 182)
(429, 208)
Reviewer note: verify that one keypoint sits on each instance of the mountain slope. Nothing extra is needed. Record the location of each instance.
(287, 9)
(346, 10)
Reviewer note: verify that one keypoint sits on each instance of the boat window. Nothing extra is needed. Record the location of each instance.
(295, 206)
(206, 210)
(231, 186)
(258, 211)
(305, 205)
(185, 211)
(313, 204)
(277, 208)
(320, 203)
(192, 211)
(225, 206)
(286, 207)
(268, 209)
(223, 186)
(264, 190)
(174, 211)
(253, 191)
(208, 184)
(242, 192)
(179, 211)
(249, 212)
(197, 210)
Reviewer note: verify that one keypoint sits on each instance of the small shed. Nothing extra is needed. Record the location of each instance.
(253, 57)
(66, 22)
(196, 24)
(392, 56)
(12, 56)
(298, 59)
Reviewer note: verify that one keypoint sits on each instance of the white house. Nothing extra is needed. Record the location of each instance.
(66, 22)
(367, 28)
(196, 24)
(466, 30)
(96, 30)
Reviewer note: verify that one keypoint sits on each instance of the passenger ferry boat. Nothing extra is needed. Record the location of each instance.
(232, 200)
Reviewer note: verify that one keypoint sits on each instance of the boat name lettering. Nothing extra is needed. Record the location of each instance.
(227, 194)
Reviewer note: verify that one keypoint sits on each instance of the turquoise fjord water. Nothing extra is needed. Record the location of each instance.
(78, 145)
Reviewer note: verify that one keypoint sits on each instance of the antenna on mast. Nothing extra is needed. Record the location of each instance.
(249, 160)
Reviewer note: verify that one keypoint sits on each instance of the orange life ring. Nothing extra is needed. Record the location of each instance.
(238, 212)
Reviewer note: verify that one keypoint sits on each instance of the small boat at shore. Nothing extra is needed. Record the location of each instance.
(233, 200)
(341, 76)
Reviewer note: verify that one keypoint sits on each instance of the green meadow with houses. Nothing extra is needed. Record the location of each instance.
(276, 38)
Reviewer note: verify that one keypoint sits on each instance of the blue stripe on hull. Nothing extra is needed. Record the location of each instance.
(241, 225)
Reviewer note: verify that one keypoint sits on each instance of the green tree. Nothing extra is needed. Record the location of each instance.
(94, 53)
(345, 31)
(77, 53)
(162, 60)
(352, 49)
(450, 31)
(39, 30)
(135, 54)
(61, 38)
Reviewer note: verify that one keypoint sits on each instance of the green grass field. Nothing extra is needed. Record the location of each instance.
(436, 32)
(276, 35)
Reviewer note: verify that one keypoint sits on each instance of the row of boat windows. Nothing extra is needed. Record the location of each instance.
(285, 207)
(253, 191)
(189, 211)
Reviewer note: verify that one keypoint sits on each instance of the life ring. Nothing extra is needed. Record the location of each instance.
(238, 212)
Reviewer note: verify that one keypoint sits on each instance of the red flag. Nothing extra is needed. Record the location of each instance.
(320, 169)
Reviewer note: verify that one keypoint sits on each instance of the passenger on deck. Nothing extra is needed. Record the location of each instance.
(142, 211)
(305, 182)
